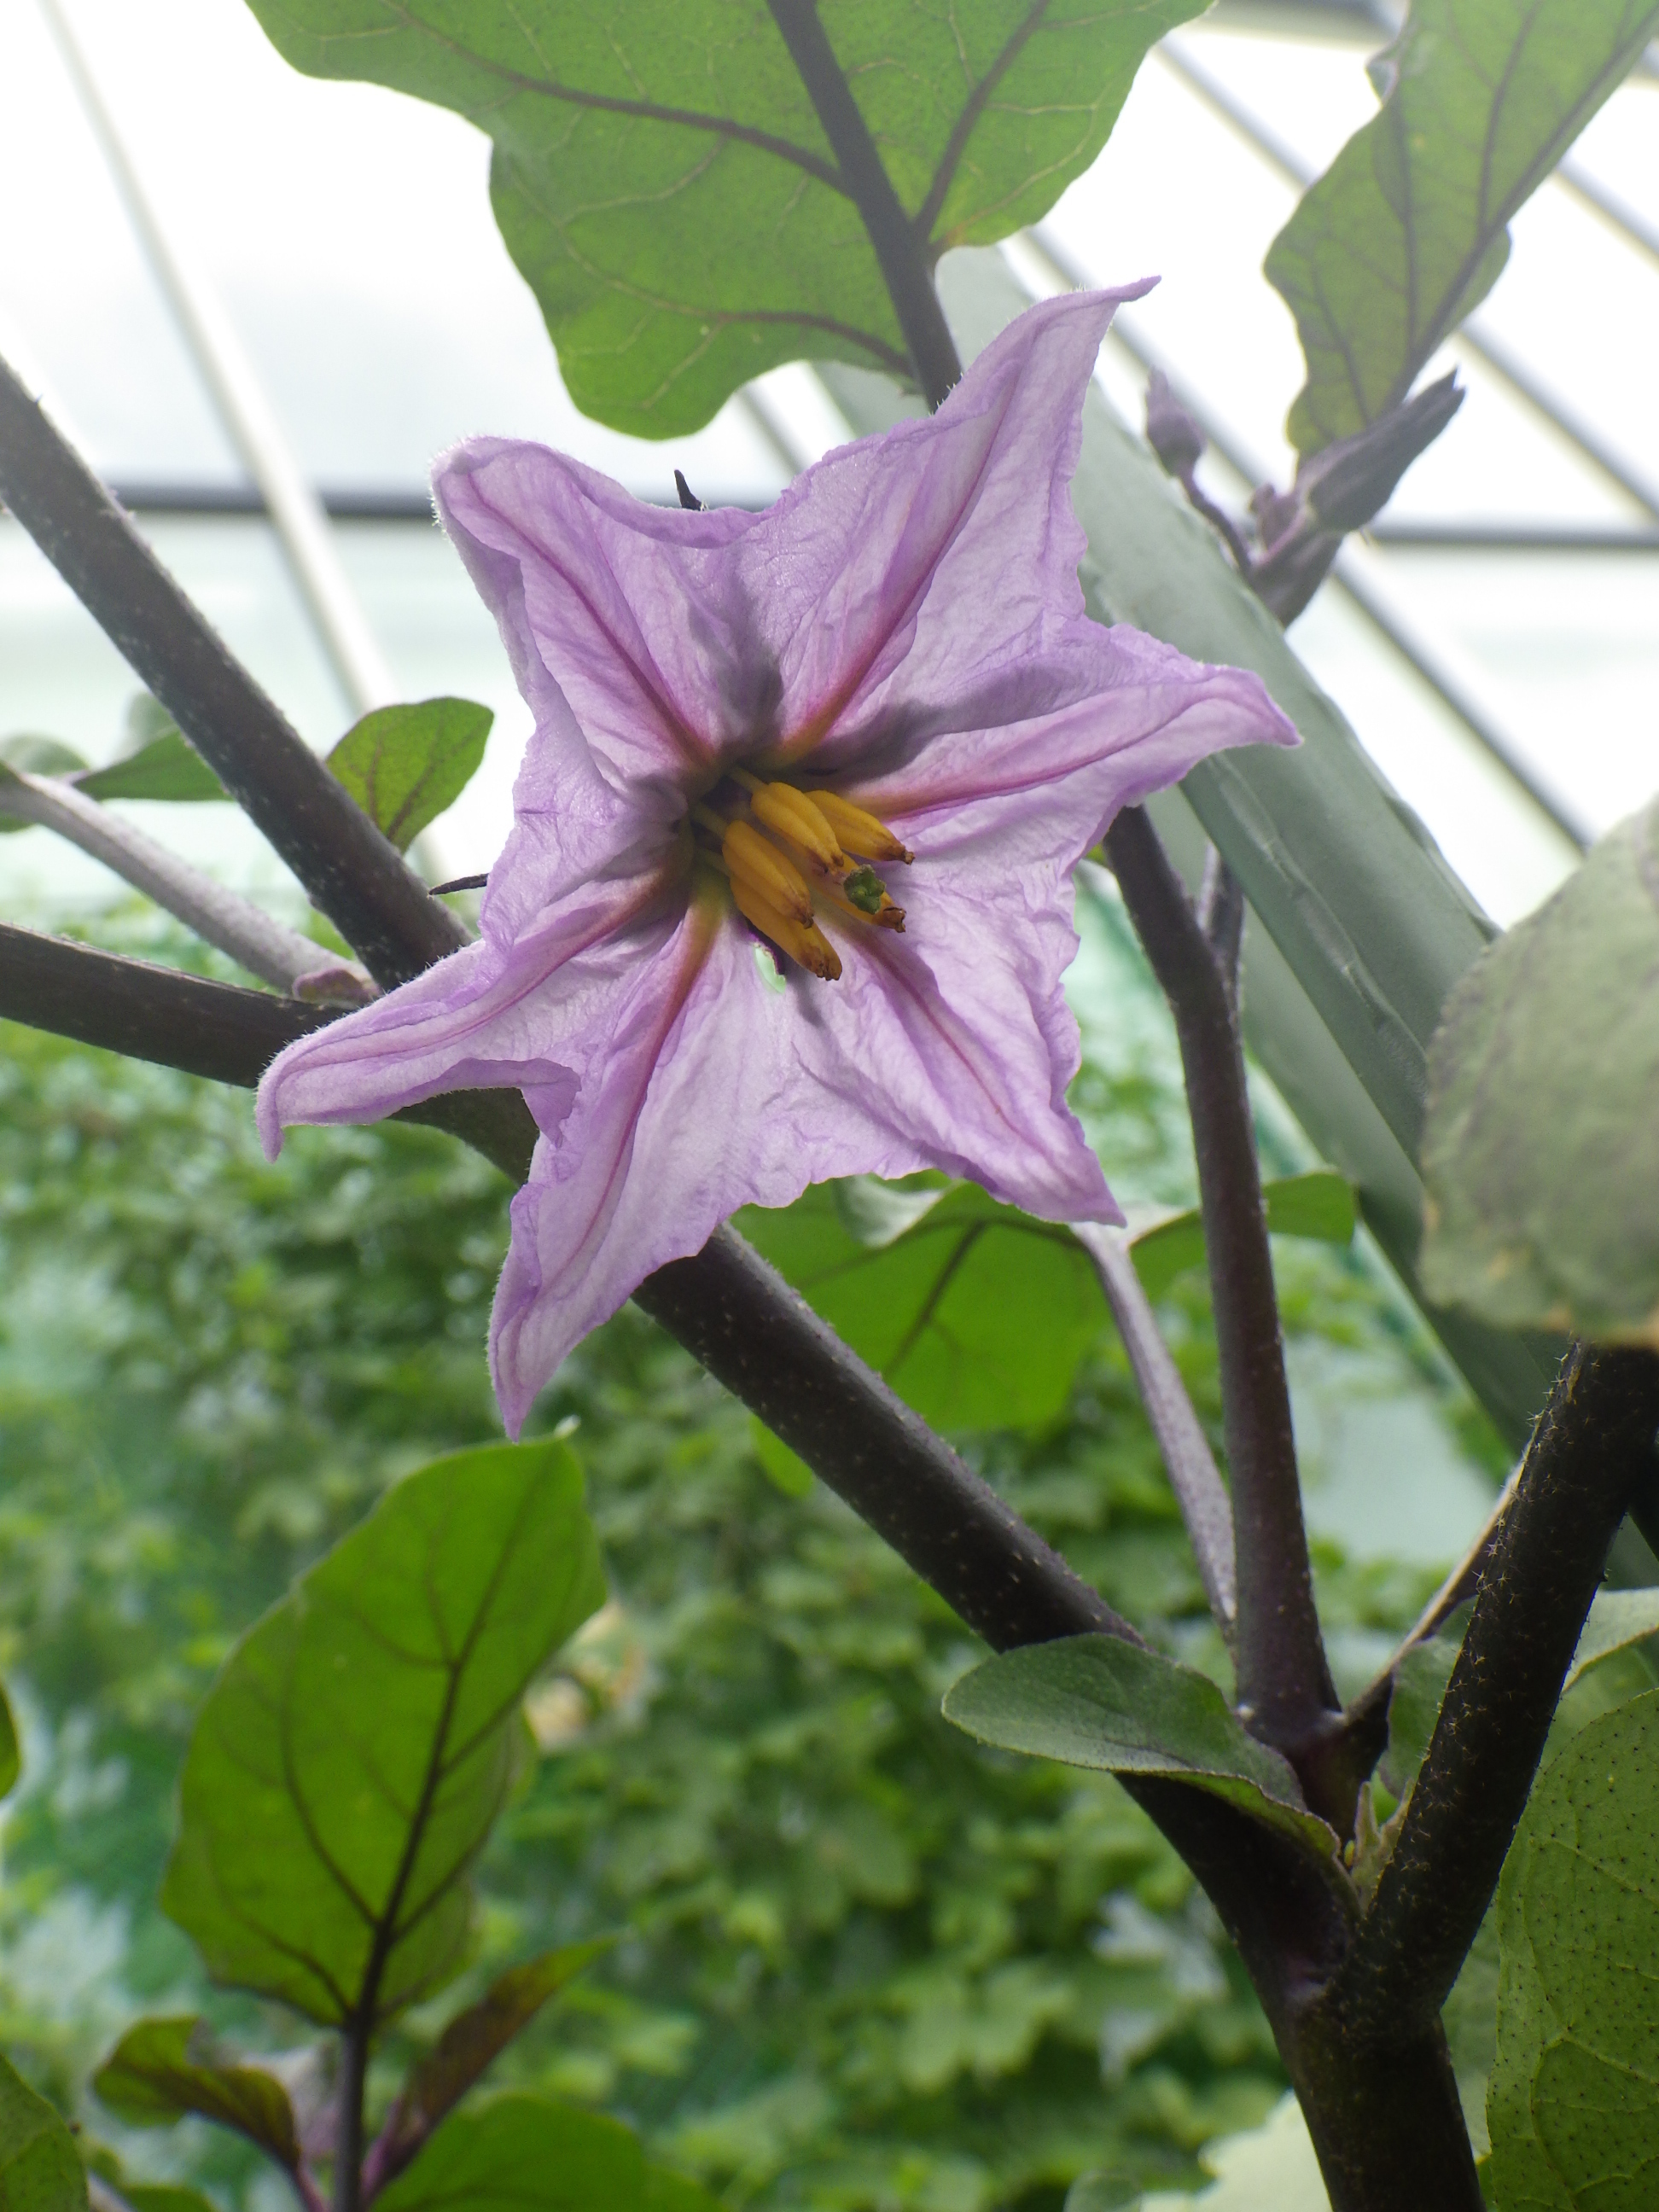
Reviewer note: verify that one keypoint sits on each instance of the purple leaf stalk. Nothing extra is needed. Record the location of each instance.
(788, 891)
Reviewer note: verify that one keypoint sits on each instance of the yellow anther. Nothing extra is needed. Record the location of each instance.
(801, 940)
(792, 814)
(772, 873)
(857, 831)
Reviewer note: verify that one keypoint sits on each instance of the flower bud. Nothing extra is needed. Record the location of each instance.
(1170, 431)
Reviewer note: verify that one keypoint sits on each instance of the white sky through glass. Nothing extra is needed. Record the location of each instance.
(349, 233)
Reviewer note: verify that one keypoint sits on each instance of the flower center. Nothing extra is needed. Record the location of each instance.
(779, 848)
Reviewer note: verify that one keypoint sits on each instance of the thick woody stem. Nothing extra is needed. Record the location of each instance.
(1591, 1451)
(729, 1309)
(897, 248)
(1284, 1687)
(350, 872)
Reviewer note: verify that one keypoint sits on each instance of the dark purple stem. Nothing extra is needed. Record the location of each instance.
(728, 1308)
(349, 869)
(1284, 1688)
(1592, 1450)
(901, 254)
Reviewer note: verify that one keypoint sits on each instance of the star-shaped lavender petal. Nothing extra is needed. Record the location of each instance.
(713, 986)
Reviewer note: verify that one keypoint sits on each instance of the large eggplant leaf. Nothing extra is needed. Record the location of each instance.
(160, 2072)
(661, 179)
(1408, 229)
(1573, 2103)
(1097, 1701)
(353, 1754)
(1541, 1149)
(40, 2169)
(1618, 1619)
(1318, 1205)
(975, 1313)
(523, 2153)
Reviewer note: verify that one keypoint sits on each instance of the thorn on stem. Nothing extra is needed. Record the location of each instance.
(689, 499)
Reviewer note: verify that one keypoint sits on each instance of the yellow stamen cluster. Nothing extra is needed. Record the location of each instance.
(789, 836)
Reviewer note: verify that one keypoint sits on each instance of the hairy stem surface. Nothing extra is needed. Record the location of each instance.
(1592, 1450)
(265, 947)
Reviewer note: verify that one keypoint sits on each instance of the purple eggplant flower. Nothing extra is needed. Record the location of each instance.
(788, 891)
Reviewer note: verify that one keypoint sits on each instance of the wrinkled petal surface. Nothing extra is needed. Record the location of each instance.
(905, 624)
(724, 1086)
(910, 567)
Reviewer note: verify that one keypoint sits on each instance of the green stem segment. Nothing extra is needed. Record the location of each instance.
(899, 251)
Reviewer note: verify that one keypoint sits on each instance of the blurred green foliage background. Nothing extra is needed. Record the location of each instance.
(864, 1965)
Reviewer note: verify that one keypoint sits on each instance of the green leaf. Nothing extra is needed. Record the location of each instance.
(786, 1469)
(522, 2154)
(662, 181)
(1319, 1205)
(1407, 231)
(664, 2192)
(405, 765)
(1573, 2105)
(168, 767)
(1420, 1691)
(34, 756)
(11, 1754)
(40, 2169)
(357, 1749)
(475, 2038)
(976, 1314)
(1097, 1701)
(37, 755)
(1365, 927)
(1541, 1150)
(1470, 2019)
(166, 2199)
(158, 2073)
(1617, 1620)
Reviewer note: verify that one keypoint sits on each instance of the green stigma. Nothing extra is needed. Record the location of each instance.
(864, 890)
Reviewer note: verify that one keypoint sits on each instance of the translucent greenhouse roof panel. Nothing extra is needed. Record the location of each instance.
(1503, 606)
(1202, 173)
(349, 232)
(1507, 685)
